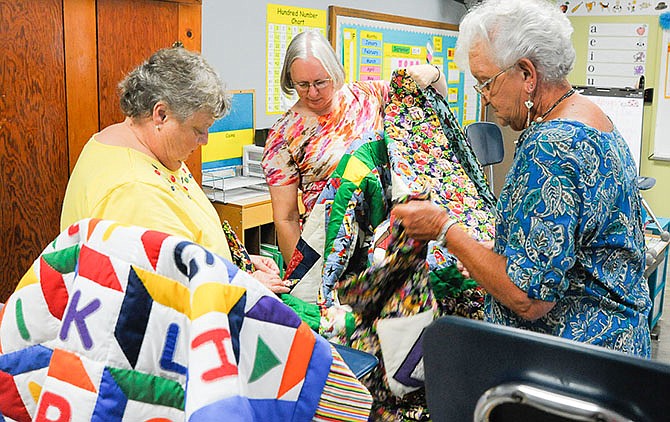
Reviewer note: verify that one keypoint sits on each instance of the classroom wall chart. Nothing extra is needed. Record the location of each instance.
(617, 54)
(612, 8)
(284, 23)
(372, 45)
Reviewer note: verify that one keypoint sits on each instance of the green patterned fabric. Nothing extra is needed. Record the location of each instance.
(361, 169)
(308, 312)
(358, 204)
(460, 146)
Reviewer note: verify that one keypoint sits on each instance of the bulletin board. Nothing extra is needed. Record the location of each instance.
(229, 134)
(371, 45)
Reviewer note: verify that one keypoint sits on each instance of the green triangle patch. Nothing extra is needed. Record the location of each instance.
(63, 261)
(264, 362)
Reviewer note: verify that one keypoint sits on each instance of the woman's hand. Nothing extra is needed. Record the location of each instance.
(265, 264)
(267, 272)
(422, 220)
(428, 74)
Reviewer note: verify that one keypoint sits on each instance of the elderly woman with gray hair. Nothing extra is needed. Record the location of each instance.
(133, 172)
(568, 258)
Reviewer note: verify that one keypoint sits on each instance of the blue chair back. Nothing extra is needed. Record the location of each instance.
(486, 140)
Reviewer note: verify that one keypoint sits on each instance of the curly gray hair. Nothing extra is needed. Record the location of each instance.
(306, 44)
(514, 29)
(180, 78)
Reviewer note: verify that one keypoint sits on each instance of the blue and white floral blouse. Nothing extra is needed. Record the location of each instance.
(569, 223)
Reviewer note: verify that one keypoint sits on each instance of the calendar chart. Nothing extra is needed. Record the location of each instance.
(372, 45)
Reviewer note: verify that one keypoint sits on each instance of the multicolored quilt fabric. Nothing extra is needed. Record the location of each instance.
(428, 152)
(121, 323)
(358, 204)
(422, 155)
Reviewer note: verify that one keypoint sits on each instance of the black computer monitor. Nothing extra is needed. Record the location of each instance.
(463, 359)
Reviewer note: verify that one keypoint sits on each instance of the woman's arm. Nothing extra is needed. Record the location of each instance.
(286, 216)
(428, 74)
(423, 221)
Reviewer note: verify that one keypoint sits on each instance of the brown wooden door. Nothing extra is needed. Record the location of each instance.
(129, 31)
(61, 61)
(33, 133)
(105, 39)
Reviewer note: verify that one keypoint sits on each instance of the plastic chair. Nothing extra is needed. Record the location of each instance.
(481, 371)
(360, 363)
(645, 183)
(486, 140)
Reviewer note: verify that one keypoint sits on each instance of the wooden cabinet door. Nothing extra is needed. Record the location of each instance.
(33, 133)
(61, 61)
(129, 31)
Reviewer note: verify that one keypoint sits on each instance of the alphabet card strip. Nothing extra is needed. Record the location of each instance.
(617, 54)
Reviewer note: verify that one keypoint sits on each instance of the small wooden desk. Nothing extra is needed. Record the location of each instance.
(248, 209)
(250, 218)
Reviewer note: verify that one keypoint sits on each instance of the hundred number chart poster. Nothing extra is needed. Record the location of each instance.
(371, 50)
(284, 23)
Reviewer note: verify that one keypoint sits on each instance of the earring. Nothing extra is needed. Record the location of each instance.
(529, 104)
(158, 127)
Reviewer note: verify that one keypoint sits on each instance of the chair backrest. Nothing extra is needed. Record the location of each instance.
(468, 361)
(360, 363)
(486, 140)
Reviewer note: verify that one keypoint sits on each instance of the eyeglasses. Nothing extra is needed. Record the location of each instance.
(485, 85)
(318, 84)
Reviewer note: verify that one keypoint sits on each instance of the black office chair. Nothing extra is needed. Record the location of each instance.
(480, 371)
(486, 140)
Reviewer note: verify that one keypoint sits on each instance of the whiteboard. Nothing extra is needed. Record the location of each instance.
(624, 107)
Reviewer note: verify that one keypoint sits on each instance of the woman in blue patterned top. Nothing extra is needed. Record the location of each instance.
(569, 255)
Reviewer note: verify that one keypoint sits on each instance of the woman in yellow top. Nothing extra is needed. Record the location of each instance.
(133, 172)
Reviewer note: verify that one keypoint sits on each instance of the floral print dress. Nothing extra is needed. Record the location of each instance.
(307, 149)
(569, 223)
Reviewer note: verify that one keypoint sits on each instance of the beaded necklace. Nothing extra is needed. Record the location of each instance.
(566, 95)
(526, 132)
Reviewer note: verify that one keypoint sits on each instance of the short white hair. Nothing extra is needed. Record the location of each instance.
(516, 29)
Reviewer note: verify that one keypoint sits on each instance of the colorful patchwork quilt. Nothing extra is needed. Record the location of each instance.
(428, 152)
(398, 286)
(423, 149)
(118, 323)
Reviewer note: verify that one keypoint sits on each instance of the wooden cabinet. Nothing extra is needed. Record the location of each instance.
(251, 219)
(61, 61)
